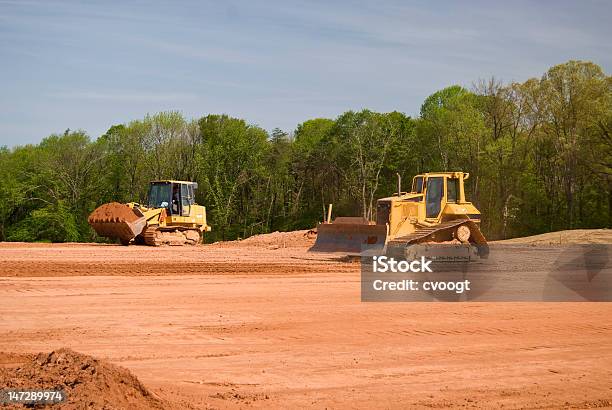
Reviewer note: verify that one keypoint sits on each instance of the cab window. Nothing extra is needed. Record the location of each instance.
(417, 185)
(452, 189)
(159, 195)
(433, 197)
(186, 199)
(175, 199)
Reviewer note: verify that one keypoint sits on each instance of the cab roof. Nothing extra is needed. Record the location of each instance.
(172, 181)
(445, 173)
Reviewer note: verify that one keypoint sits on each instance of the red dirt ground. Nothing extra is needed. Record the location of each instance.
(88, 382)
(240, 324)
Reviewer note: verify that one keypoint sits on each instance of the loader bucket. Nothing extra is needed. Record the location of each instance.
(351, 235)
(115, 220)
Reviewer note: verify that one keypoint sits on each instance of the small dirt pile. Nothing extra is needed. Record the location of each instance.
(87, 382)
(293, 239)
(277, 240)
(561, 238)
(113, 211)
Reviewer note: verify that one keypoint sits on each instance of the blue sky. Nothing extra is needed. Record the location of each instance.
(88, 65)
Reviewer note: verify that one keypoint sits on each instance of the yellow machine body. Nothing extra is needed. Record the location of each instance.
(170, 217)
(406, 212)
(431, 212)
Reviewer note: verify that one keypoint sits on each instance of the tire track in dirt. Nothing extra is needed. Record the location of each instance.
(36, 269)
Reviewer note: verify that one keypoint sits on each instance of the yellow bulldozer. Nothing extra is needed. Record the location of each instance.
(434, 212)
(171, 217)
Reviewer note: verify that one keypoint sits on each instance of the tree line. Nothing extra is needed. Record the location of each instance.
(539, 154)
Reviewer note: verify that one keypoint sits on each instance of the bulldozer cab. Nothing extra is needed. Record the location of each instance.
(434, 197)
(177, 197)
(439, 189)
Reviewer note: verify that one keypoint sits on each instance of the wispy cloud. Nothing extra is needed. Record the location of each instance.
(205, 52)
(122, 96)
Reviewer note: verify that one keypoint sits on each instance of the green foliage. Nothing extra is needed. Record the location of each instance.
(230, 160)
(452, 127)
(363, 142)
(539, 155)
(54, 223)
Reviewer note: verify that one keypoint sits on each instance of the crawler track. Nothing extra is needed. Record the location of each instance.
(154, 236)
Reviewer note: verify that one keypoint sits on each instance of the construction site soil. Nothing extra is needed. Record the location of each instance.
(263, 323)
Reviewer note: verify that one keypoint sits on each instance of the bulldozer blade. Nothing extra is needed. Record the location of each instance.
(349, 235)
(117, 221)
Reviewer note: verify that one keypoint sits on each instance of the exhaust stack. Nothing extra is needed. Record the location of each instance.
(399, 184)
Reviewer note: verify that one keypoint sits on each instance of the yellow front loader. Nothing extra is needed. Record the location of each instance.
(170, 217)
(434, 212)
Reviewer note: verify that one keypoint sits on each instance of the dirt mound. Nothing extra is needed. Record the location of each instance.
(87, 382)
(113, 211)
(10, 359)
(569, 237)
(292, 239)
